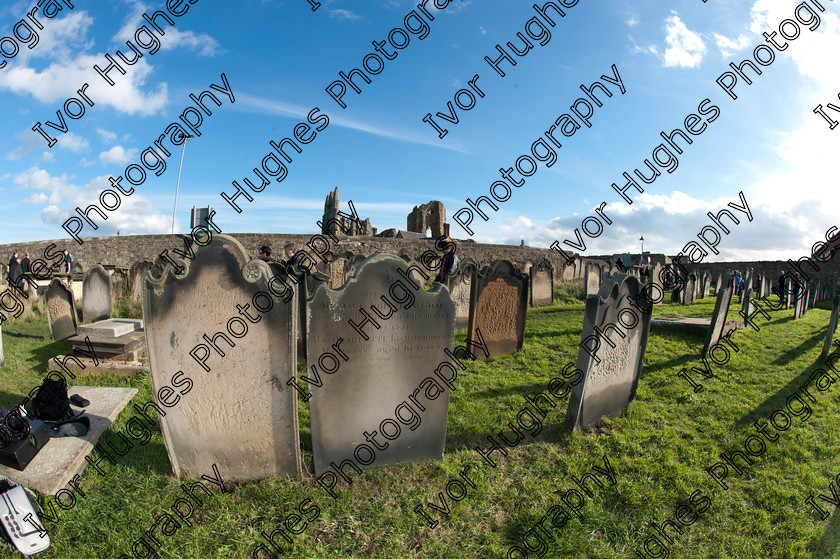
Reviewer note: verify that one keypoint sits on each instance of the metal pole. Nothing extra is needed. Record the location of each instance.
(178, 184)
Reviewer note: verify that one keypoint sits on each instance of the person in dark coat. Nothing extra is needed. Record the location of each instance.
(265, 253)
(15, 271)
(26, 264)
(447, 265)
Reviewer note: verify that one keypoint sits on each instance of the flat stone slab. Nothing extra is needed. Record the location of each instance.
(124, 366)
(691, 325)
(111, 328)
(64, 457)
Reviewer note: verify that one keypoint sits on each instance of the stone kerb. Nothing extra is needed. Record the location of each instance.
(227, 405)
(612, 349)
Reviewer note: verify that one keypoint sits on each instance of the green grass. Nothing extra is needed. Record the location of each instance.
(659, 448)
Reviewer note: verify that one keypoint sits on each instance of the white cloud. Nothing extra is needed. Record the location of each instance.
(344, 15)
(482, 30)
(632, 21)
(48, 156)
(106, 135)
(135, 216)
(685, 47)
(728, 46)
(72, 142)
(202, 44)
(117, 155)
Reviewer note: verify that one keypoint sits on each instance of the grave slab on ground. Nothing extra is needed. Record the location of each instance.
(64, 457)
(111, 328)
(691, 325)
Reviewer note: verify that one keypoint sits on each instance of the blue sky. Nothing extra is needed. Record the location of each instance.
(279, 57)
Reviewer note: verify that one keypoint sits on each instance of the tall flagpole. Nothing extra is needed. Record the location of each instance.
(178, 184)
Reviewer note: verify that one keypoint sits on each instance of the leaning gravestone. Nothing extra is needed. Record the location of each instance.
(716, 327)
(593, 281)
(719, 284)
(542, 283)
(96, 294)
(239, 415)
(371, 345)
(611, 364)
(832, 327)
(61, 310)
(498, 306)
(459, 289)
(747, 306)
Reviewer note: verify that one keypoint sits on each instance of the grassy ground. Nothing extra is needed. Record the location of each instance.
(659, 450)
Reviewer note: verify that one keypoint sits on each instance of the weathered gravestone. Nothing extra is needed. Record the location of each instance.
(722, 301)
(593, 281)
(610, 363)
(569, 272)
(373, 345)
(689, 289)
(719, 284)
(542, 282)
(800, 302)
(459, 289)
(2, 358)
(656, 291)
(337, 272)
(136, 273)
(96, 294)
(676, 293)
(119, 285)
(61, 310)
(498, 306)
(216, 332)
(832, 327)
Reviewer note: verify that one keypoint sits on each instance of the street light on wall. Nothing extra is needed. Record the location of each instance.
(178, 184)
(642, 254)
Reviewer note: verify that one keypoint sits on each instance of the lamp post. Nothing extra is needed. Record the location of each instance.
(642, 254)
(178, 184)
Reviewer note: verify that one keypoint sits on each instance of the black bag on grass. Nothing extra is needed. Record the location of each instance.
(51, 401)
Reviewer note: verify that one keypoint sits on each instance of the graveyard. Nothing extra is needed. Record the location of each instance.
(649, 492)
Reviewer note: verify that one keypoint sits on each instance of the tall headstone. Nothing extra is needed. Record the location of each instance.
(2, 358)
(61, 310)
(690, 289)
(656, 291)
(719, 283)
(722, 301)
(611, 364)
(225, 329)
(542, 282)
(569, 272)
(578, 267)
(459, 289)
(96, 294)
(373, 345)
(593, 281)
(832, 327)
(498, 306)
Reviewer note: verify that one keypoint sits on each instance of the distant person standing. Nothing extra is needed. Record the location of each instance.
(448, 264)
(69, 267)
(26, 264)
(15, 270)
(737, 285)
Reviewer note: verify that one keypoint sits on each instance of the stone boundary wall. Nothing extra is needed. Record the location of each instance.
(122, 251)
(771, 269)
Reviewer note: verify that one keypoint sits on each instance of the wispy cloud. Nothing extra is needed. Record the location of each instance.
(260, 105)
